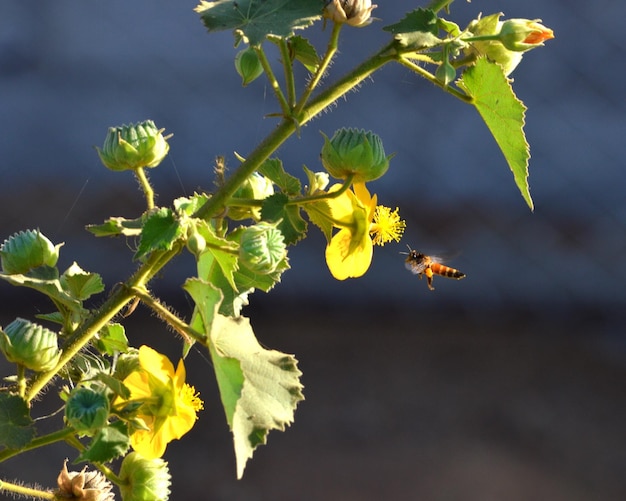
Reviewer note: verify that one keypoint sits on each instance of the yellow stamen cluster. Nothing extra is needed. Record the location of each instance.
(386, 225)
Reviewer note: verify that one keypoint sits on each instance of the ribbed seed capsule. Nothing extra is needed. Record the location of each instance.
(30, 345)
(27, 250)
(262, 248)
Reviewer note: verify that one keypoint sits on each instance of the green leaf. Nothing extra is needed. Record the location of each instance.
(160, 231)
(79, 283)
(259, 388)
(253, 20)
(247, 279)
(504, 114)
(45, 280)
(115, 226)
(273, 169)
(292, 226)
(16, 426)
(304, 52)
(320, 215)
(112, 339)
(418, 30)
(109, 443)
(187, 206)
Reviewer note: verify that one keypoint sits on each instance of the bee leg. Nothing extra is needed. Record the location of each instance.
(429, 277)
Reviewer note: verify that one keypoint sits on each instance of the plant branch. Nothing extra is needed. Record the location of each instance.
(289, 77)
(267, 68)
(148, 192)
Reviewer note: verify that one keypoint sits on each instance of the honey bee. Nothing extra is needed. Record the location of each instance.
(421, 264)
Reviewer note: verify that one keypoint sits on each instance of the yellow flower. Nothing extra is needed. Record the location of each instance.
(349, 252)
(168, 404)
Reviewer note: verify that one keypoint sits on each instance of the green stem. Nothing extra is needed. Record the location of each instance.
(22, 490)
(42, 441)
(21, 380)
(267, 67)
(148, 192)
(323, 196)
(289, 78)
(167, 316)
(333, 43)
(287, 127)
(432, 79)
(90, 327)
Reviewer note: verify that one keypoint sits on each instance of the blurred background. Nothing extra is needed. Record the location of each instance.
(506, 385)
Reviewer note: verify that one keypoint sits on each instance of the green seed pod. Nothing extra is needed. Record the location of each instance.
(144, 479)
(30, 345)
(27, 250)
(87, 410)
(262, 248)
(130, 147)
(355, 152)
(248, 65)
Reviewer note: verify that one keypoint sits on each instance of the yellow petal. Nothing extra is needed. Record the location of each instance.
(344, 263)
(155, 364)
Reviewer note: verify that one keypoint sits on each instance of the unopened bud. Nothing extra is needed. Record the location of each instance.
(144, 479)
(355, 152)
(87, 410)
(130, 147)
(262, 248)
(248, 65)
(27, 250)
(523, 34)
(356, 13)
(30, 345)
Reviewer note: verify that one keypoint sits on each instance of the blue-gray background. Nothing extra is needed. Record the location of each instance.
(69, 70)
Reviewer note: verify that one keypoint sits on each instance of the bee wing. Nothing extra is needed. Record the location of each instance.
(415, 267)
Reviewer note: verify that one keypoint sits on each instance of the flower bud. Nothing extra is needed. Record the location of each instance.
(257, 187)
(506, 45)
(355, 152)
(524, 34)
(353, 12)
(248, 65)
(133, 146)
(83, 485)
(144, 479)
(30, 345)
(27, 250)
(262, 248)
(87, 410)
(196, 243)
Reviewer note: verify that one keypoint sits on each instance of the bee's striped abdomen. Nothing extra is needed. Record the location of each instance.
(446, 271)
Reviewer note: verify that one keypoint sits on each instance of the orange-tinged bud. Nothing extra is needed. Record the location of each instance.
(523, 34)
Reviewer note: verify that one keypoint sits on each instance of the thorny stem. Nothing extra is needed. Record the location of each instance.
(432, 79)
(167, 316)
(290, 81)
(145, 187)
(330, 52)
(22, 490)
(267, 68)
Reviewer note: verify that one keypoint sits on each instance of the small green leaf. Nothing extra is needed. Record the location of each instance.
(304, 52)
(254, 20)
(320, 215)
(247, 279)
(260, 388)
(109, 443)
(115, 226)
(160, 231)
(112, 339)
(504, 114)
(45, 280)
(16, 426)
(418, 30)
(273, 169)
(187, 206)
(81, 284)
(292, 226)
